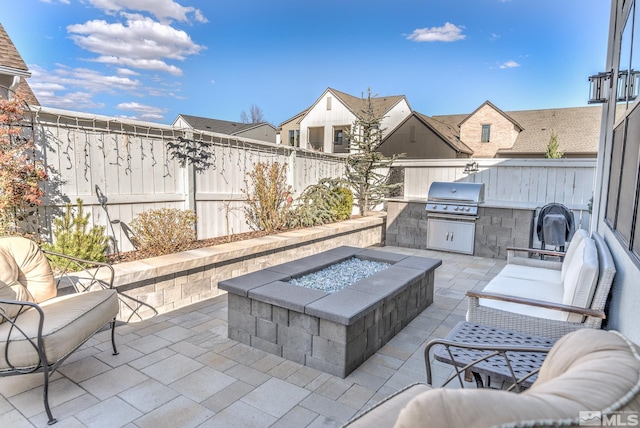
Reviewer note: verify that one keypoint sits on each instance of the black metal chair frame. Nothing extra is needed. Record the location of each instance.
(492, 351)
(94, 274)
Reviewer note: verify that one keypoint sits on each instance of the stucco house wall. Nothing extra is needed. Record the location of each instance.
(503, 132)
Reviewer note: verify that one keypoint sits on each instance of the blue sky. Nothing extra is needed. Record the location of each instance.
(154, 59)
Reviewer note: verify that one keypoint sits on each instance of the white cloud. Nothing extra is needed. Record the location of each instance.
(509, 64)
(164, 10)
(143, 111)
(74, 88)
(139, 43)
(127, 72)
(447, 33)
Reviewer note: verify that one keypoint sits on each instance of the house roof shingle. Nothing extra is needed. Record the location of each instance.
(381, 105)
(13, 64)
(9, 55)
(219, 126)
(577, 129)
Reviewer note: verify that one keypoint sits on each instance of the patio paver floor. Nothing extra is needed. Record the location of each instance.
(179, 369)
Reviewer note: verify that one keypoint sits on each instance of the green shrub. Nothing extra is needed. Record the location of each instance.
(268, 205)
(71, 237)
(344, 206)
(322, 203)
(163, 231)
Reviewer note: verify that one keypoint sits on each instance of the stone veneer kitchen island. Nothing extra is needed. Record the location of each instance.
(332, 332)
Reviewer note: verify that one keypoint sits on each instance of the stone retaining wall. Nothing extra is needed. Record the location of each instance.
(161, 284)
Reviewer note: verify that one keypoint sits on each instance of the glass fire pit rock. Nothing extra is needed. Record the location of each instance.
(333, 332)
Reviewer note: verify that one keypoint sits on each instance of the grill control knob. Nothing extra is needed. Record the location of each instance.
(434, 206)
(445, 207)
(456, 208)
(467, 209)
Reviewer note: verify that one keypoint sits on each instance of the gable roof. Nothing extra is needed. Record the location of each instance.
(220, 126)
(11, 63)
(297, 118)
(10, 57)
(381, 105)
(490, 104)
(447, 132)
(577, 128)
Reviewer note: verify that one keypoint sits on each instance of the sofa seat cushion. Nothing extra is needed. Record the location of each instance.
(531, 289)
(586, 370)
(532, 273)
(68, 321)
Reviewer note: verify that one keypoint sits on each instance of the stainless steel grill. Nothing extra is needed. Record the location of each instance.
(452, 211)
(455, 198)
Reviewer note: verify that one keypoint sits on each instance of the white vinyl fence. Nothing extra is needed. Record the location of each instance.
(131, 165)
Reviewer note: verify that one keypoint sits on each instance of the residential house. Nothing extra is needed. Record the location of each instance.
(13, 72)
(290, 130)
(323, 126)
(490, 132)
(615, 208)
(422, 137)
(258, 131)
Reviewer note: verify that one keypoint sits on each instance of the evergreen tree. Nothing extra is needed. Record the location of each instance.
(72, 238)
(553, 148)
(368, 170)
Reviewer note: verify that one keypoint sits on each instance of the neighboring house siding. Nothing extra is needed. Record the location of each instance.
(426, 145)
(262, 133)
(503, 132)
(284, 134)
(395, 116)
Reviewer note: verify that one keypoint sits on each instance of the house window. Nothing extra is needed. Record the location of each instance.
(338, 134)
(328, 103)
(292, 137)
(621, 209)
(486, 134)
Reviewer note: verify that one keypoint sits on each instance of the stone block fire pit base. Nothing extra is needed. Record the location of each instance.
(332, 332)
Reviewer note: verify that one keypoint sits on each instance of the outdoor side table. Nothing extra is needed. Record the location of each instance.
(498, 354)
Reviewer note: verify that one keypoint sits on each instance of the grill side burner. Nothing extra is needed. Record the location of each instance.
(452, 211)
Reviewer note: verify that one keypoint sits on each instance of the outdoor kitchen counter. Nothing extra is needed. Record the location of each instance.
(500, 224)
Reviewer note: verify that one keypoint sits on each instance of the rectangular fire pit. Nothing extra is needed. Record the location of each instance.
(332, 332)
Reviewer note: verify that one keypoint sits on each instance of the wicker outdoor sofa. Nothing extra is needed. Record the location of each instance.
(546, 297)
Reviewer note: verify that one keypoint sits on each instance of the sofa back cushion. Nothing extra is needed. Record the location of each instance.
(577, 238)
(22, 262)
(581, 278)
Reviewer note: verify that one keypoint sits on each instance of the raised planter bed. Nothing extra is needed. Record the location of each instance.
(332, 332)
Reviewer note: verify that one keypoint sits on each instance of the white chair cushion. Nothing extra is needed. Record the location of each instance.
(580, 281)
(532, 273)
(531, 289)
(68, 321)
(571, 250)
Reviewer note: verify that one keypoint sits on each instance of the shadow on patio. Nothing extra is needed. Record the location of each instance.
(179, 369)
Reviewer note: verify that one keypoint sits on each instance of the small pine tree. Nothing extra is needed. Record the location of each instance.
(553, 148)
(368, 170)
(73, 238)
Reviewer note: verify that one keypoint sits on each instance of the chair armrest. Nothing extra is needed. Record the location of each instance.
(537, 251)
(82, 275)
(538, 303)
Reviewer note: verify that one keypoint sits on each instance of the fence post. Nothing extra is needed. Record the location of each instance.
(190, 183)
(292, 170)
